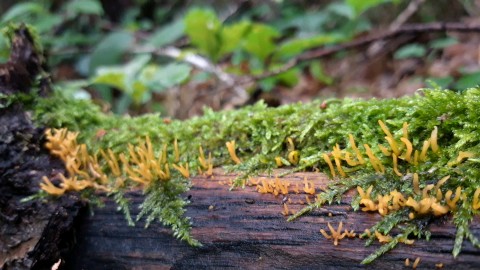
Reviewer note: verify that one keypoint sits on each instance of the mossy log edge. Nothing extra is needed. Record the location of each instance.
(244, 229)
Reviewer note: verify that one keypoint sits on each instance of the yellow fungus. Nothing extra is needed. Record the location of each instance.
(182, 169)
(285, 211)
(415, 158)
(231, 150)
(296, 189)
(408, 154)
(452, 202)
(376, 164)
(50, 188)
(356, 150)
(385, 129)
(307, 199)
(476, 199)
(382, 238)
(336, 235)
(416, 262)
(416, 185)
(349, 160)
(441, 182)
(176, 152)
(407, 262)
(398, 200)
(201, 158)
(383, 202)
(384, 150)
(290, 144)
(278, 161)
(423, 154)
(393, 145)
(330, 165)
(339, 167)
(293, 157)
(395, 165)
(464, 155)
(309, 186)
(438, 209)
(405, 130)
(426, 190)
(433, 140)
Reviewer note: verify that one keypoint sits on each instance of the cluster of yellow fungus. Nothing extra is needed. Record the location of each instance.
(278, 186)
(293, 156)
(430, 202)
(415, 263)
(231, 150)
(337, 235)
(87, 171)
(398, 150)
(206, 165)
(81, 167)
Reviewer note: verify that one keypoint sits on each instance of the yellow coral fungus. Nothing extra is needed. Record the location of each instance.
(408, 154)
(176, 152)
(182, 169)
(376, 164)
(355, 149)
(395, 165)
(329, 162)
(50, 188)
(385, 129)
(382, 238)
(278, 161)
(231, 150)
(366, 200)
(285, 211)
(438, 209)
(349, 159)
(441, 182)
(294, 157)
(393, 145)
(405, 130)
(383, 203)
(309, 187)
(337, 155)
(433, 140)
(416, 185)
(290, 144)
(201, 158)
(452, 202)
(423, 154)
(336, 235)
(384, 150)
(461, 156)
(476, 199)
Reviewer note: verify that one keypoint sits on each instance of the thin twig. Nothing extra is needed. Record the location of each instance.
(201, 63)
(406, 29)
(401, 19)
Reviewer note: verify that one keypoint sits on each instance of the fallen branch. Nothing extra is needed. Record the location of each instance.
(407, 29)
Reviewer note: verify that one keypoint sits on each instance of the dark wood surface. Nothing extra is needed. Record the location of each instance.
(243, 229)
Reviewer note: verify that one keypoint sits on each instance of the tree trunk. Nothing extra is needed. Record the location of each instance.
(244, 229)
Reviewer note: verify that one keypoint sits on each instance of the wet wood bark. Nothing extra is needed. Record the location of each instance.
(244, 229)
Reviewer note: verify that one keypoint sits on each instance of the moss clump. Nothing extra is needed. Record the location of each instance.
(264, 139)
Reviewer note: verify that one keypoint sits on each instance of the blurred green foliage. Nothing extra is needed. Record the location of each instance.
(114, 54)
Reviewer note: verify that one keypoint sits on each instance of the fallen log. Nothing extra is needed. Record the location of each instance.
(244, 229)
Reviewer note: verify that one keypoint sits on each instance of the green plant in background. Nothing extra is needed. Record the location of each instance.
(75, 33)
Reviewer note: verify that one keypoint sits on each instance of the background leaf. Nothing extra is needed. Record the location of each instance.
(202, 27)
(110, 49)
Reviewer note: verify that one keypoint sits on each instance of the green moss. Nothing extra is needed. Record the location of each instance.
(261, 133)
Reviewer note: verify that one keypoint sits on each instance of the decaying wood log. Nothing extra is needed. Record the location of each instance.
(33, 234)
(244, 229)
